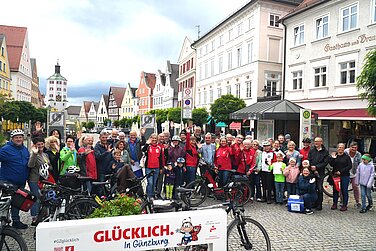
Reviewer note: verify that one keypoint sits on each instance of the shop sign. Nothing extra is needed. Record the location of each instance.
(136, 232)
(360, 40)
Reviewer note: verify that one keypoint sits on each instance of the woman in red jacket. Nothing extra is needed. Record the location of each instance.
(191, 157)
(153, 153)
(222, 161)
(87, 160)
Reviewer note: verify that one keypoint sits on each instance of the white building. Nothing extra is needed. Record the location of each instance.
(242, 55)
(57, 91)
(102, 113)
(158, 93)
(326, 43)
(129, 103)
(170, 99)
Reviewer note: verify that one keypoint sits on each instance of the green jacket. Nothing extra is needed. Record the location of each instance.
(278, 174)
(68, 158)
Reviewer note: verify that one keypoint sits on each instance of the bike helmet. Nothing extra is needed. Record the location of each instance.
(50, 196)
(180, 160)
(73, 169)
(176, 138)
(43, 171)
(17, 132)
(306, 140)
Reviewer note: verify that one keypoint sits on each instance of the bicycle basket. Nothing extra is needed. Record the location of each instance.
(70, 180)
(23, 199)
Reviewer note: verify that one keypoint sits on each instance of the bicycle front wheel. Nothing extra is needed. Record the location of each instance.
(11, 240)
(247, 235)
(198, 196)
(80, 209)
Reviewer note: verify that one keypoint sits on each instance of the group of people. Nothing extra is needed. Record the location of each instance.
(272, 166)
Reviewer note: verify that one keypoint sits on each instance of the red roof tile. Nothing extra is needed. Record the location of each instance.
(150, 80)
(15, 37)
(306, 4)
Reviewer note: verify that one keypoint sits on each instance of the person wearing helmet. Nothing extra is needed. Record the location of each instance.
(39, 165)
(14, 158)
(175, 152)
(306, 148)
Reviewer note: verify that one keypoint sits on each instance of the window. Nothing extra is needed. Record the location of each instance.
(320, 76)
(239, 56)
(273, 20)
(206, 69)
(229, 60)
(212, 68)
(1, 64)
(250, 22)
(229, 89)
(322, 27)
(299, 35)
(373, 11)
(51, 88)
(221, 40)
(2, 51)
(249, 89)
(200, 52)
(220, 64)
(250, 51)
(212, 45)
(297, 80)
(230, 35)
(199, 98)
(211, 98)
(200, 72)
(206, 49)
(349, 17)
(347, 72)
(51, 95)
(240, 29)
(205, 97)
(219, 92)
(272, 82)
(237, 90)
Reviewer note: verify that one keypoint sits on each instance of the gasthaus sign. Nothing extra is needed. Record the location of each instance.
(136, 232)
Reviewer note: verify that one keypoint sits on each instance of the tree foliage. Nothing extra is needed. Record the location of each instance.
(222, 107)
(160, 114)
(174, 114)
(116, 123)
(125, 123)
(90, 125)
(83, 124)
(366, 82)
(199, 116)
(106, 121)
(21, 111)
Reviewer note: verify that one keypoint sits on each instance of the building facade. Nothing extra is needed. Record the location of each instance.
(84, 111)
(115, 99)
(57, 90)
(171, 89)
(243, 55)
(5, 80)
(326, 43)
(19, 60)
(145, 91)
(102, 113)
(34, 84)
(158, 93)
(187, 69)
(128, 105)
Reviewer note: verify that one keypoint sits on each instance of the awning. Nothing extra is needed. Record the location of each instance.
(236, 126)
(344, 114)
(275, 110)
(221, 124)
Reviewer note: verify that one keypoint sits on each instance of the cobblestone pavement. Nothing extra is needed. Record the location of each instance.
(324, 230)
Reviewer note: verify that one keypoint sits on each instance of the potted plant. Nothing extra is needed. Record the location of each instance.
(121, 205)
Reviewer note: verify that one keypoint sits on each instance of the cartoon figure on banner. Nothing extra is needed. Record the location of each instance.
(190, 232)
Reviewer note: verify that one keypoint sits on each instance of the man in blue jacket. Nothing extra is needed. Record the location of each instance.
(14, 157)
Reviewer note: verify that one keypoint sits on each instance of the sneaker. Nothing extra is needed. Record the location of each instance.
(334, 207)
(308, 211)
(19, 225)
(358, 205)
(369, 208)
(343, 209)
(258, 200)
(363, 211)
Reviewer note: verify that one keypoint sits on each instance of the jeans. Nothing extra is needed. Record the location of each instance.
(191, 174)
(34, 189)
(291, 189)
(309, 198)
(138, 173)
(160, 184)
(345, 180)
(279, 188)
(152, 181)
(100, 189)
(366, 192)
(320, 191)
(267, 179)
(223, 177)
(255, 184)
(356, 189)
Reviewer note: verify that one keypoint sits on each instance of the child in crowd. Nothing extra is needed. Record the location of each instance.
(365, 178)
(291, 173)
(169, 180)
(279, 179)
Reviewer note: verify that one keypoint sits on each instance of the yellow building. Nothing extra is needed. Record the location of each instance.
(128, 105)
(4, 69)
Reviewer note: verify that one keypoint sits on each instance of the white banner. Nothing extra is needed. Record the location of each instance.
(136, 232)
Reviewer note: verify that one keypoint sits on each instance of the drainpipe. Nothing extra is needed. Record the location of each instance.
(284, 61)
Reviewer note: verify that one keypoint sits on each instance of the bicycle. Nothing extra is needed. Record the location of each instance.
(243, 232)
(10, 238)
(206, 184)
(328, 188)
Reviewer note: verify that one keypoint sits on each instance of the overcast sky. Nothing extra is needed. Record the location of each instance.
(109, 42)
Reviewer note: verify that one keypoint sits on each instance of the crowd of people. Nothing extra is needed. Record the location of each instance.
(273, 167)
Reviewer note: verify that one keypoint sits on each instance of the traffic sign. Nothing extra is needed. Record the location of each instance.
(56, 119)
(187, 113)
(147, 120)
(187, 93)
(188, 103)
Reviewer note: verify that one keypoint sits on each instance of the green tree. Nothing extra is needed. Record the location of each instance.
(199, 116)
(106, 121)
(90, 125)
(160, 114)
(222, 107)
(25, 112)
(116, 123)
(40, 114)
(174, 114)
(135, 119)
(366, 81)
(84, 124)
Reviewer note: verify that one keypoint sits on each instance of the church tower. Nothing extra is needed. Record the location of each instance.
(57, 90)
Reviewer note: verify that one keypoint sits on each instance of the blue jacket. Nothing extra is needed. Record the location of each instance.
(102, 157)
(303, 186)
(14, 160)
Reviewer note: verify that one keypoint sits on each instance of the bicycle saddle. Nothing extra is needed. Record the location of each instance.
(7, 186)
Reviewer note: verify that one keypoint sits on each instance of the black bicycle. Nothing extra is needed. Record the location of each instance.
(243, 232)
(10, 238)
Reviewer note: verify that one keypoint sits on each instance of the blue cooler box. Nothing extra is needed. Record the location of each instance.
(295, 203)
